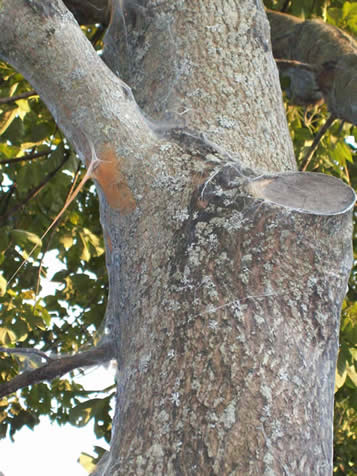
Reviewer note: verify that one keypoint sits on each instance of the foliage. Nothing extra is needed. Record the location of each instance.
(38, 170)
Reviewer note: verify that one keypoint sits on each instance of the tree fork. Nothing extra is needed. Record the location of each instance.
(225, 288)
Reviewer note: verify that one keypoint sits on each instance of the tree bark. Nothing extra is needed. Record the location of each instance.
(225, 282)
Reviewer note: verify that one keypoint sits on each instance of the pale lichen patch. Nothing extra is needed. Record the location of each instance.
(229, 418)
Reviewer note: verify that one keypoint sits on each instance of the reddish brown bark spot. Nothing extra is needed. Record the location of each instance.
(113, 181)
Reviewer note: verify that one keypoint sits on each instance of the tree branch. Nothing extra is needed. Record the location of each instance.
(50, 71)
(58, 367)
(11, 99)
(35, 155)
(335, 58)
(303, 88)
(306, 160)
(25, 350)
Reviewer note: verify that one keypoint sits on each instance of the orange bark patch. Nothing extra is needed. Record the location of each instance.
(202, 203)
(113, 182)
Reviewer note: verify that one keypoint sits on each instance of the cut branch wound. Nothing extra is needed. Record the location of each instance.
(307, 192)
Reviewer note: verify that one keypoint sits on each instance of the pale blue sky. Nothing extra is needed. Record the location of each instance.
(50, 449)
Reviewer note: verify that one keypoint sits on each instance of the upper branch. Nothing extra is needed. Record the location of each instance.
(332, 58)
(42, 40)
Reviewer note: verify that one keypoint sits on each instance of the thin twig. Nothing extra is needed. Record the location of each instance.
(92, 165)
(73, 184)
(5, 199)
(11, 99)
(348, 178)
(308, 156)
(35, 155)
(67, 203)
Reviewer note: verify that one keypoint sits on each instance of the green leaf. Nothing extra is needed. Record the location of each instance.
(349, 9)
(352, 374)
(87, 462)
(9, 151)
(3, 285)
(352, 23)
(343, 361)
(72, 164)
(7, 336)
(74, 218)
(67, 240)
(14, 131)
(344, 358)
(340, 380)
(94, 241)
(41, 312)
(23, 107)
(21, 330)
(39, 397)
(40, 131)
(26, 239)
(96, 408)
(6, 120)
(82, 413)
(85, 254)
(349, 327)
(341, 153)
(35, 321)
(354, 354)
(334, 15)
(60, 276)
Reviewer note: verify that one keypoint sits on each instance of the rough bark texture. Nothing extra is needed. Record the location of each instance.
(233, 342)
(225, 287)
(215, 73)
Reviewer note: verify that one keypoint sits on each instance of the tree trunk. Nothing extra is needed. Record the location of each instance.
(226, 275)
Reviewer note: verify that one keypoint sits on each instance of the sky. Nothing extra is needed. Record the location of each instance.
(50, 449)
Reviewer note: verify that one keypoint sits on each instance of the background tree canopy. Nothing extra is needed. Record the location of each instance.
(39, 171)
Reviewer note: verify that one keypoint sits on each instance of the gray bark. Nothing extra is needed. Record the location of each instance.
(226, 277)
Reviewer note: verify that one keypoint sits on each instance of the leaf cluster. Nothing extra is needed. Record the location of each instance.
(62, 313)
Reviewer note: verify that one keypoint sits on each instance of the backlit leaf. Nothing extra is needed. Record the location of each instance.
(25, 239)
(3, 284)
(7, 336)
